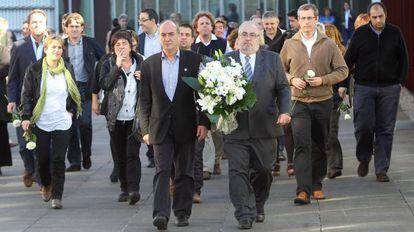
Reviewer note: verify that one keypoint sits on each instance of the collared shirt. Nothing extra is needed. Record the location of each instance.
(75, 52)
(170, 74)
(375, 30)
(38, 49)
(54, 115)
(152, 44)
(213, 37)
(252, 60)
(347, 14)
(127, 111)
(309, 42)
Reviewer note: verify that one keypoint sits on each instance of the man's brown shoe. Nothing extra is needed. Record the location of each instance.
(276, 170)
(206, 175)
(302, 199)
(333, 173)
(196, 198)
(46, 193)
(27, 179)
(318, 195)
(382, 177)
(363, 168)
(217, 169)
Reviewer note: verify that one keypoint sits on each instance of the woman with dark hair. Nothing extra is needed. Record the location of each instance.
(49, 99)
(119, 78)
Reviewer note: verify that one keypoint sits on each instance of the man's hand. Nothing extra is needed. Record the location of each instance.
(283, 119)
(146, 139)
(10, 107)
(342, 92)
(95, 107)
(25, 124)
(314, 81)
(298, 83)
(201, 132)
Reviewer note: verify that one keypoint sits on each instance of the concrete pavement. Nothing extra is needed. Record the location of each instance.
(90, 200)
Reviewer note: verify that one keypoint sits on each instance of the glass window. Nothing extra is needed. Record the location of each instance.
(185, 10)
(166, 8)
(195, 7)
(214, 7)
(232, 10)
(148, 4)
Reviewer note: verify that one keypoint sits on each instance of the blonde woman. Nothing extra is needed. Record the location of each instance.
(49, 99)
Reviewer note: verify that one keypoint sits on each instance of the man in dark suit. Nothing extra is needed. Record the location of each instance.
(251, 147)
(170, 122)
(82, 52)
(24, 53)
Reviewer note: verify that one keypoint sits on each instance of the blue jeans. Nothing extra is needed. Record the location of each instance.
(81, 129)
(375, 113)
(27, 155)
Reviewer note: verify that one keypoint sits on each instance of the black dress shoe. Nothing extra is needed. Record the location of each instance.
(260, 218)
(181, 221)
(113, 178)
(382, 177)
(160, 222)
(134, 197)
(123, 197)
(73, 168)
(245, 224)
(151, 164)
(282, 157)
(332, 174)
(87, 163)
(363, 168)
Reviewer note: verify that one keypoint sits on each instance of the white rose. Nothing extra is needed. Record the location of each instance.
(17, 122)
(347, 116)
(311, 73)
(31, 145)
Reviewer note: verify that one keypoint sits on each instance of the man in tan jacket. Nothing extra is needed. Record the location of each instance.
(313, 63)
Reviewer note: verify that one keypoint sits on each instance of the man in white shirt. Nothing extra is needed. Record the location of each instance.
(149, 39)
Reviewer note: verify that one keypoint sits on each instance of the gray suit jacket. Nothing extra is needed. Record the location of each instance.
(271, 87)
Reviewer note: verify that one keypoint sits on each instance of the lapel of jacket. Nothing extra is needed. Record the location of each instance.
(30, 48)
(180, 84)
(142, 43)
(258, 68)
(66, 50)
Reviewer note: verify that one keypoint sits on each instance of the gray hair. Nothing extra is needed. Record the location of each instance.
(309, 7)
(123, 16)
(251, 23)
(269, 14)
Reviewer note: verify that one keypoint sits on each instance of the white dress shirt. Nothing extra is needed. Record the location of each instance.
(127, 111)
(309, 42)
(54, 115)
(38, 50)
(152, 44)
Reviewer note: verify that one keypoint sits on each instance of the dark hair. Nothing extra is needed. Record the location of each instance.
(382, 5)
(151, 14)
(293, 13)
(115, 22)
(186, 25)
(121, 34)
(232, 7)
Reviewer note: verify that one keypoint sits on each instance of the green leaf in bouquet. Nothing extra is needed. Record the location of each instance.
(213, 118)
(192, 82)
(33, 137)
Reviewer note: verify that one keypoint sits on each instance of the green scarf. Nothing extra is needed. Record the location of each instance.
(72, 89)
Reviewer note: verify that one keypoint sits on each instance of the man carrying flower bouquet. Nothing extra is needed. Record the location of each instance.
(251, 146)
(313, 63)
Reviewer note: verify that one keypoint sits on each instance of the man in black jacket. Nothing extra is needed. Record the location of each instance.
(379, 54)
(169, 121)
(82, 52)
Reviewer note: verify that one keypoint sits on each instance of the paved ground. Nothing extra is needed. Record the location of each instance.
(90, 200)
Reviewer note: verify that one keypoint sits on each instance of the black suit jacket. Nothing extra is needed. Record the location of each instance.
(92, 53)
(141, 46)
(22, 55)
(158, 115)
(271, 87)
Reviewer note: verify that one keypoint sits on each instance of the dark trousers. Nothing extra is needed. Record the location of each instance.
(198, 166)
(50, 152)
(150, 153)
(5, 154)
(250, 178)
(375, 113)
(127, 156)
(81, 129)
(28, 157)
(289, 144)
(166, 154)
(333, 148)
(310, 126)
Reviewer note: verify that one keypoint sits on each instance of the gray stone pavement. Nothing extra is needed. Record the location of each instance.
(90, 200)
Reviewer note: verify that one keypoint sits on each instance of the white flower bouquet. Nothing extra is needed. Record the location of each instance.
(27, 135)
(345, 108)
(224, 90)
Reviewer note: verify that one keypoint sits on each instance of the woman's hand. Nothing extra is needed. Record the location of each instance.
(137, 75)
(25, 124)
(120, 58)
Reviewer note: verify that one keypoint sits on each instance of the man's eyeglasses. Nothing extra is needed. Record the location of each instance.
(143, 20)
(307, 18)
(251, 35)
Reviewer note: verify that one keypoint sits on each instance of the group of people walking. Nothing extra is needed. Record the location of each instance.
(300, 77)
